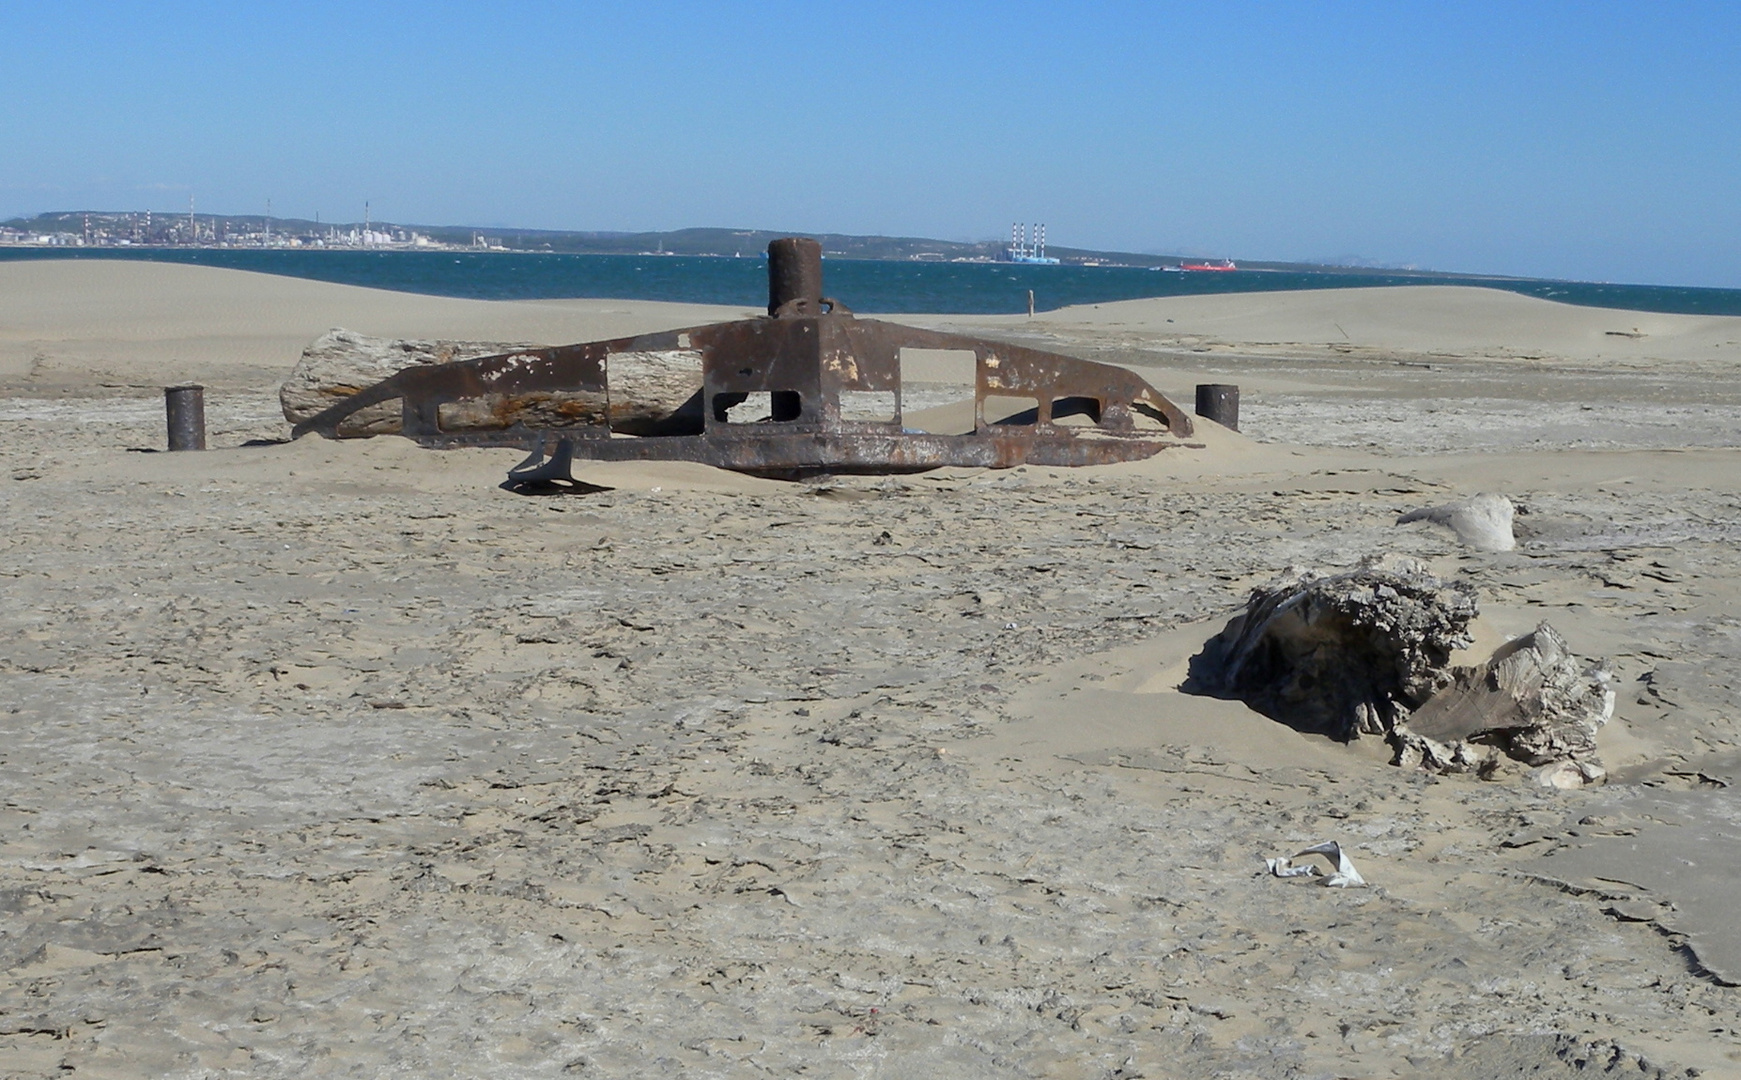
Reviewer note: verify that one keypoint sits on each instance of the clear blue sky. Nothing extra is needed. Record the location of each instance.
(1583, 140)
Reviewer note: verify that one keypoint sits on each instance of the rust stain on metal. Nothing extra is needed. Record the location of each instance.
(804, 356)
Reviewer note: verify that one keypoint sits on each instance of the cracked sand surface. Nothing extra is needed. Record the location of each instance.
(335, 759)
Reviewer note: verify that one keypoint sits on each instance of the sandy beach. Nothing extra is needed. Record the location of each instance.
(334, 758)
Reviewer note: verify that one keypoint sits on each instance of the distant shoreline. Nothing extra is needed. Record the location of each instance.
(131, 230)
(88, 250)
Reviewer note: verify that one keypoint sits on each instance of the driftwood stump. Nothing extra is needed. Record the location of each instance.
(1340, 655)
(1533, 700)
(1369, 653)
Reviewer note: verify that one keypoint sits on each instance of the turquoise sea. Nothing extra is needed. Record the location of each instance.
(863, 285)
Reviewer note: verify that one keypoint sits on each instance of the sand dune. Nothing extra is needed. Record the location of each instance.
(90, 320)
(1416, 320)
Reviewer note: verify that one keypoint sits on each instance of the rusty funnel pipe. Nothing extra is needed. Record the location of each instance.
(795, 276)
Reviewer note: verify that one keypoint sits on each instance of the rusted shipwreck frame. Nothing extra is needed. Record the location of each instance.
(806, 355)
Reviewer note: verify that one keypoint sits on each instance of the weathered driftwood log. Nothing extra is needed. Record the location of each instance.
(1369, 652)
(1342, 655)
(340, 363)
(655, 393)
(652, 393)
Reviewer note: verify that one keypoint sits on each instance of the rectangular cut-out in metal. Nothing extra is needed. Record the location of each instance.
(563, 401)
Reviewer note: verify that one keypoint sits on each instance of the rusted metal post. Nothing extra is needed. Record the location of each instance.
(1219, 402)
(795, 273)
(186, 409)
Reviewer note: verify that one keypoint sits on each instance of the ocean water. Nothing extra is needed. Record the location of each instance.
(863, 285)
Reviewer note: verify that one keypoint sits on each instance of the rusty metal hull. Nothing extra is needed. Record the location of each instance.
(807, 360)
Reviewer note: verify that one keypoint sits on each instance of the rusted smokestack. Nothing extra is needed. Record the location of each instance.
(795, 273)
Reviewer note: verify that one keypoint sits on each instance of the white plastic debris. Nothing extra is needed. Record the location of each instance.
(1344, 876)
